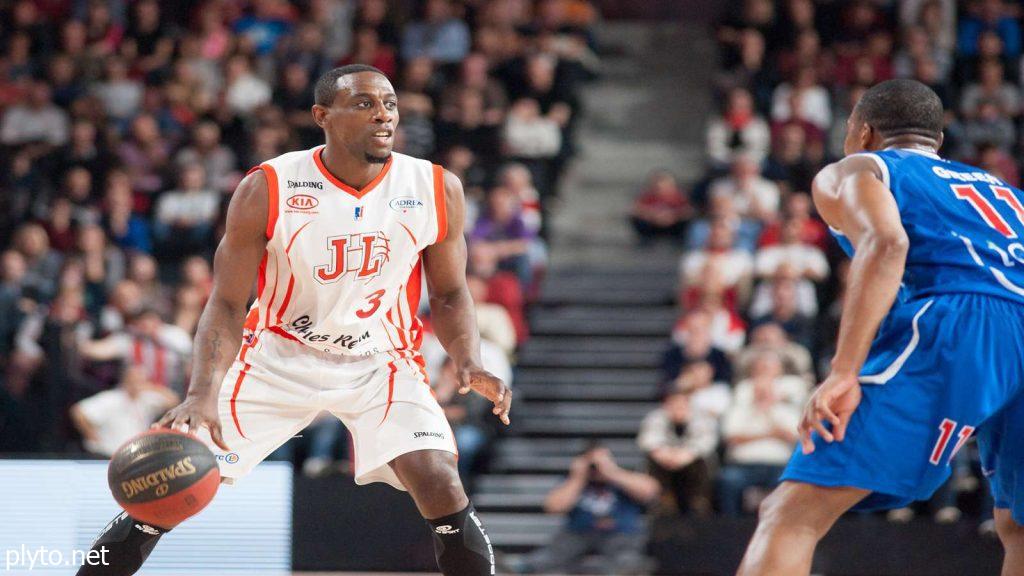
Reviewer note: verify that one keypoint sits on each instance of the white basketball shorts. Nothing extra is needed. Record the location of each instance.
(278, 386)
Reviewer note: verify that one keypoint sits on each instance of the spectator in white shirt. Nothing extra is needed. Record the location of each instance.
(759, 430)
(245, 90)
(38, 120)
(808, 261)
(739, 130)
(679, 444)
(754, 195)
(109, 419)
(529, 134)
(185, 217)
(708, 398)
(803, 99)
(733, 267)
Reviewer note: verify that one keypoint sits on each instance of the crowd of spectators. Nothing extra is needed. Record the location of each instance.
(125, 127)
(760, 282)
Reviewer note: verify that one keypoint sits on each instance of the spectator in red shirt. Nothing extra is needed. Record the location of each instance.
(663, 209)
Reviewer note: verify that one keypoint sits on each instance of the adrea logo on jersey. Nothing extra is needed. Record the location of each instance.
(405, 203)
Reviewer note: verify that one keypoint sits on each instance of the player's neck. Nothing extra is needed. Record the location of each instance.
(912, 143)
(356, 172)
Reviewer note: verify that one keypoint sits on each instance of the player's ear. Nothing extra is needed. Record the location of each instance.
(867, 136)
(320, 115)
(942, 138)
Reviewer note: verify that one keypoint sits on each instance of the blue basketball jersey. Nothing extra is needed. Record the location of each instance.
(963, 225)
(948, 360)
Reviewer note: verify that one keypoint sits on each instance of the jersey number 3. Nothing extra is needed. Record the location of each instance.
(987, 211)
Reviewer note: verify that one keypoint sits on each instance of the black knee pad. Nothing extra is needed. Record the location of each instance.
(461, 545)
(123, 546)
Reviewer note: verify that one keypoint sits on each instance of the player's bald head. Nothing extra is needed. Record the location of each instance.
(327, 85)
(901, 108)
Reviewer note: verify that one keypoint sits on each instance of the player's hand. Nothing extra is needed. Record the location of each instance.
(835, 401)
(193, 413)
(489, 386)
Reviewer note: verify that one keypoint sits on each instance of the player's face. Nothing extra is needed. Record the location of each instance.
(363, 117)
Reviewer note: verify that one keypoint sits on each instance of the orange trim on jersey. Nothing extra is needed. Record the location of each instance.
(388, 334)
(273, 294)
(391, 390)
(401, 335)
(409, 232)
(234, 397)
(252, 319)
(412, 293)
(261, 281)
(439, 204)
(291, 274)
(317, 158)
(272, 196)
(281, 332)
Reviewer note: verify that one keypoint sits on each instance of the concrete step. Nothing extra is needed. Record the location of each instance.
(508, 529)
(575, 375)
(590, 392)
(537, 357)
(605, 321)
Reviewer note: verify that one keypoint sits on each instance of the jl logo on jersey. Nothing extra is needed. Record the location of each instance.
(361, 254)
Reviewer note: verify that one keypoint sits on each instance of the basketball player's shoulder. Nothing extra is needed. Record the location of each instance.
(288, 158)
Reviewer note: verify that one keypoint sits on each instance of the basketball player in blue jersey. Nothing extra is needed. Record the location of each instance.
(931, 343)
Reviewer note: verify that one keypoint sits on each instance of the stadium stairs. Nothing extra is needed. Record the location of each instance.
(606, 308)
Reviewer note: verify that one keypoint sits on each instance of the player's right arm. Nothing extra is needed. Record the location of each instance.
(219, 334)
(852, 197)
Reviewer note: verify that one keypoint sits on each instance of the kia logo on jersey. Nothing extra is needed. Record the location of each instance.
(302, 202)
(361, 254)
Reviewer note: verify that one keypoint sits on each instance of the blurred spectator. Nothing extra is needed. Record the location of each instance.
(604, 507)
(143, 270)
(109, 419)
(185, 217)
(803, 99)
(517, 178)
(266, 25)
(37, 121)
(991, 87)
(739, 130)
(770, 337)
(42, 263)
(120, 94)
(786, 311)
(754, 195)
(759, 430)
(369, 50)
(501, 236)
(466, 413)
(245, 90)
(219, 164)
(162, 350)
(128, 230)
(708, 398)
(808, 260)
(692, 342)
(13, 305)
(494, 321)
(679, 444)
(812, 231)
(528, 133)
(731, 267)
(104, 265)
(990, 126)
(722, 208)
(438, 34)
(662, 209)
(988, 15)
(144, 155)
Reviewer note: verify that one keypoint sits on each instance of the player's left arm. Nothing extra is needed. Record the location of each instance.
(451, 306)
(851, 196)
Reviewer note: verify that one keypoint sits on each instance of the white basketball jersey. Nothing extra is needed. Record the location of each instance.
(342, 267)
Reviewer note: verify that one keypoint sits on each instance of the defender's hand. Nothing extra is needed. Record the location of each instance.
(489, 386)
(835, 400)
(193, 413)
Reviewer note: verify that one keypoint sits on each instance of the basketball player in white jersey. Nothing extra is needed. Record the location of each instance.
(336, 239)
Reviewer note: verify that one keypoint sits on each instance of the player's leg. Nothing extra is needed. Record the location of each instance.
(460, 542)
(791, 521)
(1011, 534)
(265, 414)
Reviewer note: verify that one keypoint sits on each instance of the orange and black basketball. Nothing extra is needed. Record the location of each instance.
(162, 477)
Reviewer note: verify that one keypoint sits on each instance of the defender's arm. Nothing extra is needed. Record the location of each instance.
(451, 306)
(851, 196)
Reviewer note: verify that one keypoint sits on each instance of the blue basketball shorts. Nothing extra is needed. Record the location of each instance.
(941, 370)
